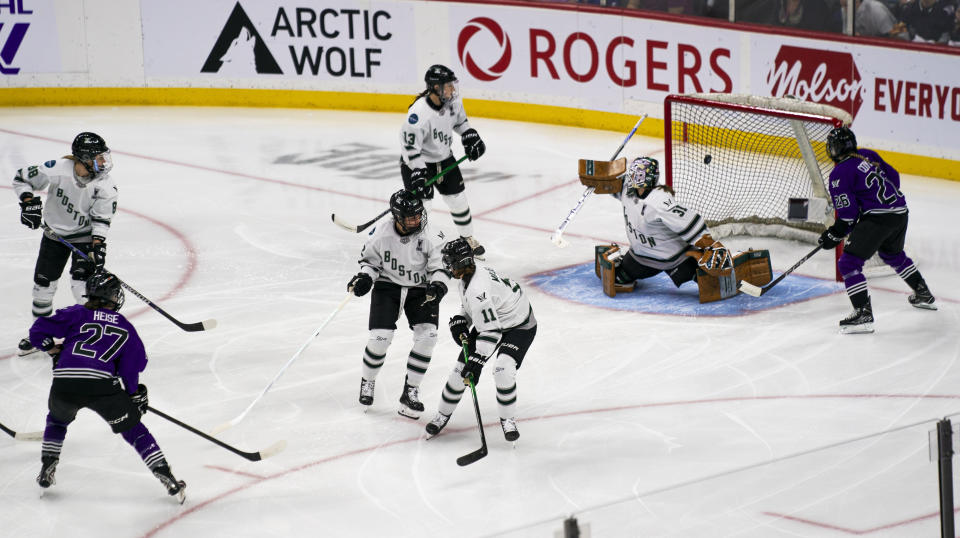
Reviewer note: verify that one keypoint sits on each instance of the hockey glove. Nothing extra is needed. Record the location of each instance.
(140, 400)
(833, 236)
(360, 284)
(418, 183)
(458, 329)
(435, 292)
(472, 145)
(30, 211)
(98, 252)
(471, 372)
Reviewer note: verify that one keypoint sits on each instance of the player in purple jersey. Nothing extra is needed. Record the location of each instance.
(97, 366)
(870, 207)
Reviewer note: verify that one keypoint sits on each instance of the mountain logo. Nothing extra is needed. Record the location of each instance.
(240, 50)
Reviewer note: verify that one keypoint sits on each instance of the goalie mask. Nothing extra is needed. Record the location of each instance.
(105, 287)
(91, 151)
(841, 142)
(442, 82)
(644, 173)
(408, 212)
(458, 257)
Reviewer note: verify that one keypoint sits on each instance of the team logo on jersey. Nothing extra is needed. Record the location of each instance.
(818, 76)
(482, 297)
(12, 44)
(240, 50)
(498, 66)
(50, 164)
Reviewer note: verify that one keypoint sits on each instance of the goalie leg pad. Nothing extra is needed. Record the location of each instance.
(753, 267)
(716, 287)
(608, 274)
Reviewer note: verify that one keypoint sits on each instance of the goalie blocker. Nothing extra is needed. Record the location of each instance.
(752, 266)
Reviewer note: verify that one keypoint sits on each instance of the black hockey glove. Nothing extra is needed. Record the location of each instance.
(98, 252)
(30, 212)
(459, 329)
(472, 145)
(140, 400)
(833, 236)
(435, 292)
(472, 369)
(360, 284)
(418, 183)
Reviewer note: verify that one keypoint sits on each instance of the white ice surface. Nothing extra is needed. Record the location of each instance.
(623, 416)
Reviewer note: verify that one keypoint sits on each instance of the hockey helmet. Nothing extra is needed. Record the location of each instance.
(643, 173)
(105, 287)
(442, 82)
(408, 212)
(841, 142)
(457, 256)
(90, 150)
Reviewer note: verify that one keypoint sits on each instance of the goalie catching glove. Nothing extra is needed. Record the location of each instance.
(472, 145)
(715, 257)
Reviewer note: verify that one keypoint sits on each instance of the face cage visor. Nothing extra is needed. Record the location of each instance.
(96, 168)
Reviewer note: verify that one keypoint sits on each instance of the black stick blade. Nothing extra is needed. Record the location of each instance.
(472, 457)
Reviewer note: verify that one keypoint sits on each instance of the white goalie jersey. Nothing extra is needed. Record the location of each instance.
(427, 133)
(659, 229)
(494, 304)
(407, 260)
(74, 212)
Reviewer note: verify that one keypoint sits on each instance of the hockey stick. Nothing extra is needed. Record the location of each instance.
(557, 237)
(474, 456)
(757, 291)
(361, 227)
(272, 450)
(236, 420)
(22, 436)
(189, 327)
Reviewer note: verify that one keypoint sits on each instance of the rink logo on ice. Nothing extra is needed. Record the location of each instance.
(240, 50)
(498, 65)
(818, 76)
(10, 40)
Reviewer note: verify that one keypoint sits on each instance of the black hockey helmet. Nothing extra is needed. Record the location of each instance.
(437, 77)
(643, 173)
(90, 149)
(841, 142)
(105, 287)
(404, 206)
(457, 256)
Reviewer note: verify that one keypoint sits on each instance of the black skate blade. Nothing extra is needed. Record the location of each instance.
(407, 413)
(472, 457)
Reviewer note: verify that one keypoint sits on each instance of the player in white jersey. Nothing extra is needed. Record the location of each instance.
(403, 257)
(425, 139)
(81, 202)
(661, 232)
(503, 327)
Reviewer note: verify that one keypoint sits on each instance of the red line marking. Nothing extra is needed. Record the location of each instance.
(236, 472)
(281, 474)
(855, 531)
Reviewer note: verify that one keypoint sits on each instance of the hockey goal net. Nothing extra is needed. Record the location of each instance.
(752, 165)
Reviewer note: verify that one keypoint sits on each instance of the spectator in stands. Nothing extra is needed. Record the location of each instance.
(955, 34)
(809, 15)
(873, 18)
(929, 21)
(676, 7)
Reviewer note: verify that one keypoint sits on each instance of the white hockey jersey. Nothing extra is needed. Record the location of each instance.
(74, 212)
(659, 229)
(494, 304)
(408, 260)
(427, 133)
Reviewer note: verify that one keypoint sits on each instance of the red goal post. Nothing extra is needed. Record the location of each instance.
(752, 165)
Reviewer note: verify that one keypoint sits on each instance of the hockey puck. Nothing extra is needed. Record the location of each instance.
(707, 159)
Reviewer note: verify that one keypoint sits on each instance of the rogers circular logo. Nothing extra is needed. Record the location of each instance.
(818, 76)
(471, 29)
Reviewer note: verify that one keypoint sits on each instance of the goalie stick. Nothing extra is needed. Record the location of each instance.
(189, 327)
(476, 455)
(22, 436)
(757, 291)
(361, 227)
(557, 237)
(272, 450)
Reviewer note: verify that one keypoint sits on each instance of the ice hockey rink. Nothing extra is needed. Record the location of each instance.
(640, 422)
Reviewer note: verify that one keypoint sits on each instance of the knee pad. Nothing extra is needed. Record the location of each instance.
(43, 299)
(504, 371)
(424, 338)
(896, 261)
(849, 265)
(457, 202)
(379, 341)
(79, 289)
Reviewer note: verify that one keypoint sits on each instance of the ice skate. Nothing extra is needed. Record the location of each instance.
(859, 321)
(922, 298)
(48, 469)
(509, 426)
(437, 424)
(410, 405)
(177, 488)
(366, 392)
(478, 249)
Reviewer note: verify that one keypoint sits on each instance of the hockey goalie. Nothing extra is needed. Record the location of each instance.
(665, 236)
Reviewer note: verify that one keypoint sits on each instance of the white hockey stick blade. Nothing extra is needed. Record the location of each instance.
(558, 240)
(342, 224)
(29, 436)
(209, 324)
(273, 449)
(750, 289)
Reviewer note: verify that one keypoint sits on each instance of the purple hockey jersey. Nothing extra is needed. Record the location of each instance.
(98, 344)
(865, 185)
